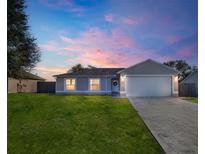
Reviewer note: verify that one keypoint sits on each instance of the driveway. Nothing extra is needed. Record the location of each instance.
(172, 121)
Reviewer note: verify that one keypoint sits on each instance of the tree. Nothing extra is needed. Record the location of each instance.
(77, 68)
(182, 66)
(80, 67)
(23, 52)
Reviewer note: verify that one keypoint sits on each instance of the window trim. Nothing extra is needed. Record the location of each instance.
(99, 84)
(65, 89)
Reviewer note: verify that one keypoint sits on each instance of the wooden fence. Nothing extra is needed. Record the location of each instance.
(46, 87)
(188, 89)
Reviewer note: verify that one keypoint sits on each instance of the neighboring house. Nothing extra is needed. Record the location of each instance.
(148, 78)
(189, 86)
(28, 83)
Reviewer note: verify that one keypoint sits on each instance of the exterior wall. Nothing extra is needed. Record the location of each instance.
(30, 85)
(59, 84)
(12, 85)
(175, 87)
(82, 86)
(122, 84)
(105, 84)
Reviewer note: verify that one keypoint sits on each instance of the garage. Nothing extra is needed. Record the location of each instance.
(149, 79)
(143, 86)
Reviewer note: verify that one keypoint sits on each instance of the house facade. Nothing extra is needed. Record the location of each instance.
(97, 81)
(145, 79)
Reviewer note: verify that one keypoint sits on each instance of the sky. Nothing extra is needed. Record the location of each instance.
(112, 33)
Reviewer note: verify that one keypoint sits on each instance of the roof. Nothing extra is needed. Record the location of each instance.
(28, 75)
(149, 66)
(92, 72)
(191, 78)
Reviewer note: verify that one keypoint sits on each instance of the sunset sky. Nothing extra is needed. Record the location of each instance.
(112, 33)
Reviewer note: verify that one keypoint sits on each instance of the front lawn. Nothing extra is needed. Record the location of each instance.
(41, 123)
(191, 99)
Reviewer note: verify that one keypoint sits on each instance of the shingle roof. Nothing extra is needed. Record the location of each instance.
(93, 71)
(28, 75)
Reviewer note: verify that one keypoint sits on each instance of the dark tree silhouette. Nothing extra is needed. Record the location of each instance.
(77, 68)
(23, 52)
(80, 67)
(182, 66)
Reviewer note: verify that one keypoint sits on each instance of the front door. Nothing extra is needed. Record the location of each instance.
(115, 86)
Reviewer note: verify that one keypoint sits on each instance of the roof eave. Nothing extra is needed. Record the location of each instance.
(167, 67)
(104, 75)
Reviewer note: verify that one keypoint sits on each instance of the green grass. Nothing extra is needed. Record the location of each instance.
(42, 124)
(191, 99)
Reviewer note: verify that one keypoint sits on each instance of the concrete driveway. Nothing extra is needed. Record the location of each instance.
(172, 121)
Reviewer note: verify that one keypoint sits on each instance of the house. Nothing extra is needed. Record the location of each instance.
(189, 86)
(28, 83)
(148, 78)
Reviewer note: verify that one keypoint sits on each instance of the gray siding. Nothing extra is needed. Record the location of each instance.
(105, 84)
(82, 85)
(60, 84)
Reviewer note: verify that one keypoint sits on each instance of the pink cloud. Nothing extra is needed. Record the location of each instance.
(102, 58)
(129, 21)
(186, 51)
(96, 38)
(50, 46)
(109, 18)
(66, 39)
(53, 46)
(173, 39)
(102, 48)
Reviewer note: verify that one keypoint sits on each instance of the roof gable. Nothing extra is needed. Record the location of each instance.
(29, 75)
(192, 78)
(149, 66)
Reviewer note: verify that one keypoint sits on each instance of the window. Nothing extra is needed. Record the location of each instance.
(94, 84)
(70, 84)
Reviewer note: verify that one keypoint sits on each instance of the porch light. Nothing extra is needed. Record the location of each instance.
(123, 77)
(176, 78)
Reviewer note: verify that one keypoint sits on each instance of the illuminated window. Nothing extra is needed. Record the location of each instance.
(94, 84)
(70, 84)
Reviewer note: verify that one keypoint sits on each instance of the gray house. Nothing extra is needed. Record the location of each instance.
(189, 86)
(148, 78)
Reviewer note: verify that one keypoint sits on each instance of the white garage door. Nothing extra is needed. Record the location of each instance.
(143, 86)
